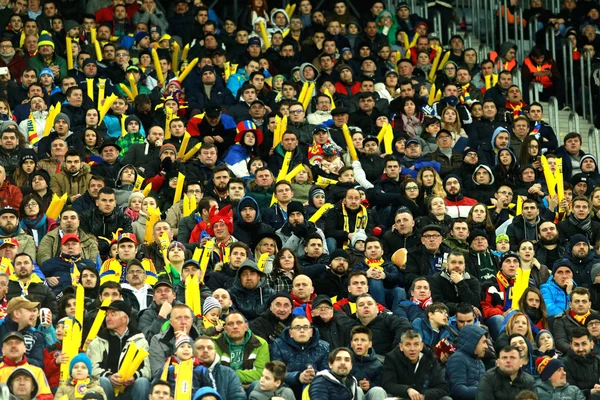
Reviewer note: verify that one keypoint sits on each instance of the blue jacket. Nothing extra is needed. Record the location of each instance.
(34, 341)
(368, 367)
(325, 386)
(60, 268)
(430, 338)
(393, 276)
(298, 357)
(235, 81)
(410, 311)
(557, 300)
(228, 382)
(464, 369)
(419, 163)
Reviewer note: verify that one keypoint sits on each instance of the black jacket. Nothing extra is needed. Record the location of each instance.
(110, 173)
(331, 284)
(336, 331)
(392, 240)
(387, 329)
(418, 262)
(399, 375)
(44, 294)
(100, 225)
(373, 167)
(140, 154)
(582, 371)
(268, 326)
(494, 384)
(444, 290)
(334, 223)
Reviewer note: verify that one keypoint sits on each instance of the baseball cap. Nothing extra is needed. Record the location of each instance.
(70, 236)
(118, 305)
(17, 303)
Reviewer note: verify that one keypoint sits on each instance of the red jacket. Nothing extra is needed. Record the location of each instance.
(342, 88)
(10, 195)
(51, 369)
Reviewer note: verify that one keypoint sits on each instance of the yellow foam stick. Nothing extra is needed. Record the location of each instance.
(434, 65)
(234, 68)
(283, 171)
(262, 261)
(326, 93)
(287, 9)
(98, 50)
(156, 61)
(147, 190)
(382, 132)
(101, 90)
(206, 254)
(184, 145)
(320, 212)
(226, 254)
(54, 111)
(189, 205)
(292, 174)
(192, 293)
(139, 181)
(65, 375)
(93, 35)
(169, 114)
(388, 139)
(519, 205)
(431, 99)
(56, 206)
(286, 32)
(292, 9)
(97, 324)
(521, 283)
(69, 53)
(185, 51)
(132, 84)
(324, 182)
(188, 156)
(79, 303)
(188, 69)
(549, 176)
(560, 182)
(153, 218)
(175, 56)
(308, 96)
(127, 91)
(349, 143)
(179, 188)
(184, 380)
(108, 102)
(197, 254)
(488, 81)
(263, 34)
(303, 92)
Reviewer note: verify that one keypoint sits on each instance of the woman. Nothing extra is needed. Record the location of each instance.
(23, 174)
(451, 122)
(431, 182)
(410, 119)
(539, 273)
(5, 113)
(247, 140)
(139, 226)
(92, 142)
(255, 9)
(446, 76)
(285, 268)
(387, 25)
(530, 153)
(92, 120)
(479, 218)
(134, 205)
(532, 303)
(412, 197)
(431, 126)
(33, 219)
(270, 244)
(507, 168)
(436, 207)
(517, 323)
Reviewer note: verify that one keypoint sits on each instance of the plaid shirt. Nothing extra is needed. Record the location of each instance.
(279, 282)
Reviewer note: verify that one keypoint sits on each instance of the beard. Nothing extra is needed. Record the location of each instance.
(9, 229)
(549, 242)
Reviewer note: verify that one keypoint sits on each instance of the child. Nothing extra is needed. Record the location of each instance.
(502, 244)
(301, 184)
(134, 134)
(211, 316)
(366, 366)
(82, 382)
(337, 192)
(53, 356)
(134, 205)
(184, 350)
(270, 383)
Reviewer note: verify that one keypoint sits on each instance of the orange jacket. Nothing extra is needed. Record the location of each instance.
(544, 80)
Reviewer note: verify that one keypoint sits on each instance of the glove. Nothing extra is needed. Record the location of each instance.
(166, 165)
(300, 230)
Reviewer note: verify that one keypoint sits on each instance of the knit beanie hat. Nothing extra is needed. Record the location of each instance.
(182, 339)
(45, 40)
(81, 357)
(175, 244)
(339, 253)
(135, 195)
(139, 36)
(295, 206)
(65, 118)
(46, 71)
(210, 303)
(547, 366)
(502, 237)
(167, 146)
(358, 236)
(508, 255)
(27, 154)
(537, 337)
(562, 262)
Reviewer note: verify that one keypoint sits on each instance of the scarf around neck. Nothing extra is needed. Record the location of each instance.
(584, 225)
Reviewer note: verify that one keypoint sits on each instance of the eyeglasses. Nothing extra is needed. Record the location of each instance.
(296, 111)
(197, 191)
(506, 193)
(301, 327)
(122, 54)
(433, 236)
(593, 323)
(6, 46)
(443, 312)
(137, 272)
(32, 205)
(412, 188)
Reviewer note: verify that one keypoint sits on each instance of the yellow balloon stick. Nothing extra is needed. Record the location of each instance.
(349, 143)
(175, 57)
(188, 69)
(263, 34)
(185, 51)
(262, 261)
(93, 35)
(550, 178)
(179, 188)
(292, 174)
(69, 53)
(147, 190)
(97, 324)
(133, 85)
(382, 132)
(184, 145)
(303, 92)
(308, 96)
(188, 156)
(388, 139)
(156, 61)
(560, 182)
(79, 303)
(98, 50)
(127, 91)
(326, 93)
(320, 212)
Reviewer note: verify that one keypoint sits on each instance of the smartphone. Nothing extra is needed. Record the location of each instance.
(3, 71)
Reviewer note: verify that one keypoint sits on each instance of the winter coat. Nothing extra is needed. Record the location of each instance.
(250, 302)
(444, 290)
(98, 224)
(419, 262)
(290, 241)
(218, 94)
(582, 267)
(545, 391)
(26, 243)
(227, 381)
(463, 369)
(256, 355)
(399, 375)
(334, 223)
(298, 356)
(331, 284)
(284, 392)
(410, 311)
(34, 341)
(393, 276)
(582, 371)
(43, 293)
(496, 382)
(326, 386)
(387, 329)
(10, 195)
(557, 300)
(163, 347)
(98, 351)
(140, 154)
(336, 331)
(431, 338)
(392, 240)
(222, 278)
(58, 267)
(69, 390)
(567, 230)
(250, 232)
(520, 230)
(275, 161)
(268, 326)
(150, 322)
(563, 326)
(368, 367)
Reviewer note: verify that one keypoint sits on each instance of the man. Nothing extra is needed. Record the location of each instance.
(427, 259)
(160, 390)
(140, 154)
(464, 368)
(549, 247)
(343, 222)
(303, 293)
(64, 271)
(104, 219)
(73, 177)
(453, 285)
(273, 321)
(241, 350)
(51, 243)
(334, 280)
(298, 125)
(25, 282)
(9, 226)
(181, 319)
(261, 187)
(412, 370)
(88, 199)
(337, 382)
(481, 263)
(9, 150)
(571, 225)
(152, 318)
(574, 317)
(137, 283)
(21, 315)
(459, 235)
(227, 381)
(115, 269)
(507, 379)
(581, 364)
(110, 166)
(289, 142)
(211, 91)
(389, 191)
(14, 359)
(367, 113)
(357, 285)
(498, 93)
(524, 226)
(295, 232)
(333, 325)
(250, 291)
(556, 291)
(457, 205)
(107, 354)
(481, 132)
(571, 153)
(583, 257)
(301, 349)
(553, 380)
(284, 194)
(250, 226)
(47, 58)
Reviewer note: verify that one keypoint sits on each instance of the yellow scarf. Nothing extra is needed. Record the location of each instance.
(375, 263)
(362, 218)
(81, 387)
(580, 318)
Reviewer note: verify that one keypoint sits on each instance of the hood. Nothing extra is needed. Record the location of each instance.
(133, 117)
(24, 371)
(468, 338)
(505, 47)
(523, 167)
(252, 265)
(305, 65)
(248, 201)
(514, 162)
(287, 18)
(385, 13)
(121, 171)
(595, 271)
(498, 131)
(488, 169)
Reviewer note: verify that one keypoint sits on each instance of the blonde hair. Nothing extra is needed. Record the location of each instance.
(455, 127)
(438, 186)
(511, 320)
(308, 172)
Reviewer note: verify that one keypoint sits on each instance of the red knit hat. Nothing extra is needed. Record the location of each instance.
(224, 215)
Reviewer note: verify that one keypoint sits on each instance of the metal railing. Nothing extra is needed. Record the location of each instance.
(534, 94)
(569, 72)
(452, 29)
(490, 32)
(483, 52)
(594, 140)
(437, 22)
(502, 20)
(532, 26)
(551, 41)
(555, 6)
(553, 118)
(517, 79)
(586, 86)
(468, 38)
(573, 122)
(519, 33)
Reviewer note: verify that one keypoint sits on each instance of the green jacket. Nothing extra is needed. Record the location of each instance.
(36, 62)
(141, 88)
(256, 355)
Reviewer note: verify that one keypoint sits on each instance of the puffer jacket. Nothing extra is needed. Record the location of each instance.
(71, 184)
(250, 302)
(399, 375)
(50, 246)
(98, 352)
(497, 382)
(34, 341)
(298, 357)
(368, 367)
(26, 243)
(431, 338)
(387, 329)
(563, 326)
(100, 225)
(557, 300)
(58, 267)
(327, 386)
(463, 369)
(228, 382)
(582, 371)
(256, 355)
(546, 391)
